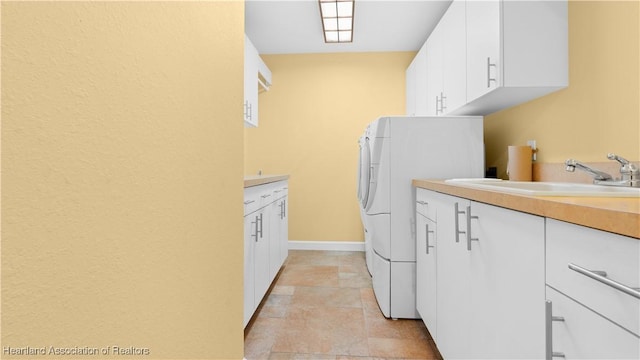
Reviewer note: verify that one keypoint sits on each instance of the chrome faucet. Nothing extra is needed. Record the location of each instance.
(629, 172)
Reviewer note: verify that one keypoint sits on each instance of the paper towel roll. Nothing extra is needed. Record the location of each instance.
(519, 165)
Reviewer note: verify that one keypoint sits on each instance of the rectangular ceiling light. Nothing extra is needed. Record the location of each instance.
(337, 20)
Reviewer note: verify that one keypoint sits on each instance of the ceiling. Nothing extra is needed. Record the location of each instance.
(294, 26)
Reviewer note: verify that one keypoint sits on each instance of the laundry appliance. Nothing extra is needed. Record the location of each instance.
(393, 151)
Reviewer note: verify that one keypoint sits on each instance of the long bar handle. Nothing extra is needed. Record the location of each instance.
(260, 220)
(256, 228)
(601, 277)
(442, 99)
(457, 222)
(426, 236)
(549, 319)
(469, 238)
(249, 202)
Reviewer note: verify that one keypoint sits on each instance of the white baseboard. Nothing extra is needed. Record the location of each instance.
(326, 245)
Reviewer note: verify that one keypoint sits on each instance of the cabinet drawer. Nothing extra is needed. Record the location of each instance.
(280, 189)
(595, 250)
(424, 203)
(252, 199)
(586, 335)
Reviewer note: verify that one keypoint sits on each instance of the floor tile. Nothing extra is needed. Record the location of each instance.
(322, 307)
(283, 290)
(263, 332)
(309, 275)
(323, 330)
(401, 348)
(326, 296)
(297, 356)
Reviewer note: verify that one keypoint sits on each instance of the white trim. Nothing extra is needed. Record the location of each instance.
(326, 245)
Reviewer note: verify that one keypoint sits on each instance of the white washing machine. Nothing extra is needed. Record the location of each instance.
(363, 185)
(401, 149)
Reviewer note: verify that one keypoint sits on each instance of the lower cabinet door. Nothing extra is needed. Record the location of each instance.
(426, 272)
(249, 281)
(261, 256)
(585, 334)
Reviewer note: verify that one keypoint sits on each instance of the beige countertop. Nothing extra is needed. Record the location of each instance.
(617, 215)
(253, 180)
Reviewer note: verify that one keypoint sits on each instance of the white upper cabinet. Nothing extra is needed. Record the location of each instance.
(434, 72)
(445, 61)
(416, 78)
(516, 51)
(454, 74)
(256, 75)
(483, 47)
(488, 55)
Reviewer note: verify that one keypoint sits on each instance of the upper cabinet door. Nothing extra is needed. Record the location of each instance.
(410, 92)
(250, 106)
(416, 83)
(483, 47)
(421, 82)
(454, 69)
(434, 72)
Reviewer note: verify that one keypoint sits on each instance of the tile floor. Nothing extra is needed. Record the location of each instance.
(322, 307)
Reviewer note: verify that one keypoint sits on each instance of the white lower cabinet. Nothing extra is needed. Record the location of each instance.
(507, 282)
(489, 280)
(426, 289)
(502, 284)
(593, 296)
(265, 241)
(576, 332)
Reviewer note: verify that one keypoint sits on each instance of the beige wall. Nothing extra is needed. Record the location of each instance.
(600, 110)
(310, 122)
(122, 177)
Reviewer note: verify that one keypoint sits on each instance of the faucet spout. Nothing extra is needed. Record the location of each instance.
(597, 175)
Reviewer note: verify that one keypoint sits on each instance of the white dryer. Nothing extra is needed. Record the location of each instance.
(401, 149)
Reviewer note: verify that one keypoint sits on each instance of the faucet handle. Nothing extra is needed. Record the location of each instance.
(628, 170)
(620, 159)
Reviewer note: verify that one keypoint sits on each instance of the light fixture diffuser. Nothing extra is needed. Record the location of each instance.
(337, 20)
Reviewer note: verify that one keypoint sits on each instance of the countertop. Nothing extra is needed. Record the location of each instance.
(254, 180)
(617, 215)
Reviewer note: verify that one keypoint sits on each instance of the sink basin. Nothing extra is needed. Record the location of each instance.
(547, 188)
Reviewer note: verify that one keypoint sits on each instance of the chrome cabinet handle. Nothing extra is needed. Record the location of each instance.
(256, 228)
(282, 209)
(601, 276)
(421, 202)
(469, 238)
(426, 237)
(265, 196)
(457, 222)
(442, 99)
(489, 78)
(247, 110)
(259, 220)
(249, 202)
(549, 319)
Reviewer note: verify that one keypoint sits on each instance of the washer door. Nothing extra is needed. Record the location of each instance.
(364, 173)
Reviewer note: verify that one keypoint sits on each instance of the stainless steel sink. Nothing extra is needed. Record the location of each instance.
(548, 188)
